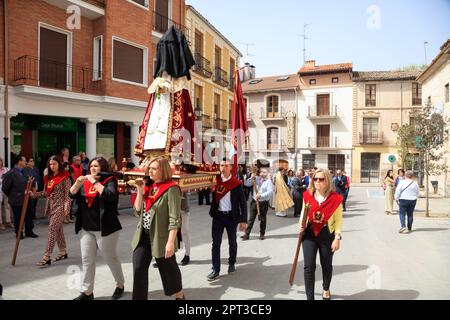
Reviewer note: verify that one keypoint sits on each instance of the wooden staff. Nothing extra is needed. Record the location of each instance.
(22, 217)
(299, 243)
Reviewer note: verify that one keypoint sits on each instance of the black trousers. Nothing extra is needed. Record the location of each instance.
(204, 194)
(168, 269)
(219, 223)
(17, 210)
(263, 207)
(311, 244)
(298, 203)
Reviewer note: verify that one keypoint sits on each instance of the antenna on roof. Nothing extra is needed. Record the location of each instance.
(304, 41)
(247, 54)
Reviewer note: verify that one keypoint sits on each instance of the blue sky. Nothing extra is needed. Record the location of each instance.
(373, 34)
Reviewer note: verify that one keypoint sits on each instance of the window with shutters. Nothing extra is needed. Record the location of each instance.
(273, 139)
(323, 104)
(98, 59)
(336, 162)
(416, 94)
(272, 106)
(129, 62)
(371, 90)
(323, 136)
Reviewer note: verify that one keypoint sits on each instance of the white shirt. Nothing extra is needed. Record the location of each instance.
(225, 202)
(264, 188)
(404, 192)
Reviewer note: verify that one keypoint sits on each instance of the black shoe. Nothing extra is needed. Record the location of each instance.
(231, 268)
(185, 261)
(262, 237)
(118, 293)
(84, 296)
(31, 235)
(213, 275)
(245, 237)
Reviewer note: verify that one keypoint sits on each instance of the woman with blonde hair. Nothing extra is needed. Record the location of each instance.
(323, 230)
(158, 204)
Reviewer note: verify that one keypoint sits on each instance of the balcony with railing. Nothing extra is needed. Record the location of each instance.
(38, 72)
(371, 138)
(220, 124)
(202, 66)
(206, 122)
(220, 77)
(272, 115)
(320, 113)
(162, 23)
(322, 142)
(277, 147)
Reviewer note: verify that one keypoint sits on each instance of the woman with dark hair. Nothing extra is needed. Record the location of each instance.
(56, 189)
(158, 206)
(96, 218)
(389, 186)
(323, 231)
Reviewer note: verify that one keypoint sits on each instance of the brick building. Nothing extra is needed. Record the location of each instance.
(77, 72)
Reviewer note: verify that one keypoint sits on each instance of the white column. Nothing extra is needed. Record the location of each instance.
(91, 137)
(2, 136)
(134, 134)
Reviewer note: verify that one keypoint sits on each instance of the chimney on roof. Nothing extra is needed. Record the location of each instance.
(247, 72)
(310, 64)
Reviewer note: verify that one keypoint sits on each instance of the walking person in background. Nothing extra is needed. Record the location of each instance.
(4, 201)
(347, 186)
(340, 182)
(264, 191)
(13, 185)
(185, 229)
(158, 206)
(84, 162)
(323, 231)
(283, 198)
(400, 176)
(57, 186)
(406, 196)
(299, 185)
(32, 171)
(97, 198)
(388, 186)
(290, 178)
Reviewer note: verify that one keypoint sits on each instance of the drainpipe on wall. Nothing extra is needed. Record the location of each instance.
(296, 129)
(6, 81)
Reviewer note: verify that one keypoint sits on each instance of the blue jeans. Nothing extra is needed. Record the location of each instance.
(407, 208)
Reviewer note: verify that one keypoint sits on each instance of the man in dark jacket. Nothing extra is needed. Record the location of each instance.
(340, 181)
(14, 185)
(228, 209)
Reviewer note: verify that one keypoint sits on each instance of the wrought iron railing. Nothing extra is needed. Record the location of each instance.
(371, 138)
(47, 73)
(162, 23)
(317, 112)
(202, 66)
(220, 77)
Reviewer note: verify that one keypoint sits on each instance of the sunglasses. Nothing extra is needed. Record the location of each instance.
(319, 179)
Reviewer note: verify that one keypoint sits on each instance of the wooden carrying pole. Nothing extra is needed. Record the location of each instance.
(299, 243)
(22, 218)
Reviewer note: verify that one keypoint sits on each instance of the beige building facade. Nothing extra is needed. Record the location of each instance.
(435, 82)
(271, 113)
(382, 102)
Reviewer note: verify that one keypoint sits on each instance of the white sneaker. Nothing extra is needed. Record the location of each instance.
(280, 214)
(402, 230)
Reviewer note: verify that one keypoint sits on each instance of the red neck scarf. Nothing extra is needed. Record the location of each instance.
(154, 191)
(90, 192)
(53, 181)
(320, 214)
(222, 188)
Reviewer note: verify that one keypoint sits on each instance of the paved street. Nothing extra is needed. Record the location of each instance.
(375, 262)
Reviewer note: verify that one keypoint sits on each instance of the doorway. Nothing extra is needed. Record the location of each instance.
(370, 167)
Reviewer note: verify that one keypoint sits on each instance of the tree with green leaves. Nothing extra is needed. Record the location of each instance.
(426, 137)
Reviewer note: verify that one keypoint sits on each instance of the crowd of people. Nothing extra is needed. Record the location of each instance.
(88, 190)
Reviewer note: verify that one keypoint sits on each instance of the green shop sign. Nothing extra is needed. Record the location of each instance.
(52, 124)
